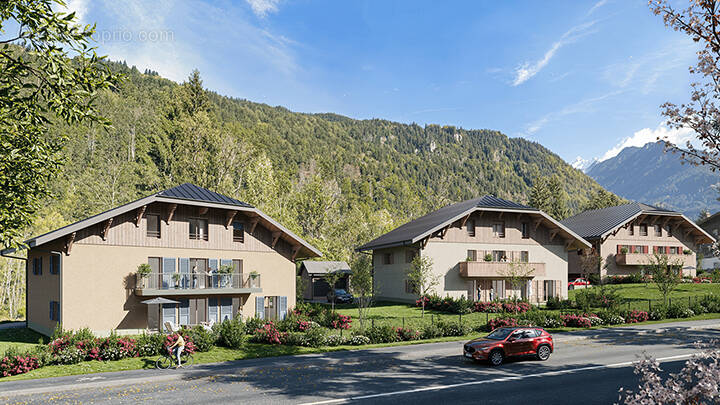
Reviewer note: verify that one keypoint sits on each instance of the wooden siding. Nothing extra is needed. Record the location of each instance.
(176, 234)
(513, 230)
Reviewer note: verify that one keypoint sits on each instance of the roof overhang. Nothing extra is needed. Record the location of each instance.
(704, 236)
(577, 241)
(287, 235)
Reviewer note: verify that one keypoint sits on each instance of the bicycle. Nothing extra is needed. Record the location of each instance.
(168, 359)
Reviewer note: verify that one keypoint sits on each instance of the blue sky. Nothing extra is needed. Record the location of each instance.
(583, 78)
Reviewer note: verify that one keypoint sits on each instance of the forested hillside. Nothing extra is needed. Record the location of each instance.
(335, 180)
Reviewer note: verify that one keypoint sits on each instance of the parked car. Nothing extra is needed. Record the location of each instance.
(578, 282)
(509, 342)
(340, 296)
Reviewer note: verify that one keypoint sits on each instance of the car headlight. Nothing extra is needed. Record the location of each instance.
(484, 349)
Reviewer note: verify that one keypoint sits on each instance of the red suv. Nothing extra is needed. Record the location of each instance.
(511, 341)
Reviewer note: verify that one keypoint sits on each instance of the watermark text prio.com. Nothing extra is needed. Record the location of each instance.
(106, 36)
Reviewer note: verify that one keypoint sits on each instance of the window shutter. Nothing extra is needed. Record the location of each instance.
(645, 249)
(282, 308)
(619, 248)
(680, 250)
(212, 309)
(236, 308)
(536, 290)
(655, 249)
(260, 307)
(558, 289)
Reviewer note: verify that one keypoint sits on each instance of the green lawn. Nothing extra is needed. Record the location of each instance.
(20, 337)
(649, 291)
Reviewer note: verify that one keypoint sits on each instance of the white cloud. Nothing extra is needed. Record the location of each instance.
(262, 8)
(596, 6)
(582, 106)
(647, 135)
(527, 70)
(80, 7)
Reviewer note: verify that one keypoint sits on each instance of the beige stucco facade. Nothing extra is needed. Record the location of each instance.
(96, 284)
(540, 248)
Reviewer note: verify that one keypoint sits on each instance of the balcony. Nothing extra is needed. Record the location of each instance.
(495, 269)
(642, 259)
(188, 284)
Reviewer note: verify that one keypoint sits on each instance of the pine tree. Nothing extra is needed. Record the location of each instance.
(540, 196)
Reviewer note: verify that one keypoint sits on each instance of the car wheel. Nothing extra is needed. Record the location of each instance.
(496, 358)
(543, 352)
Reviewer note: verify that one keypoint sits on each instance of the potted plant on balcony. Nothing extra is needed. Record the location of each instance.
(623, 250)
(253, 278)
(224, 271)
(143, 271)
(687, 252)
(488, 257)
(176, 278)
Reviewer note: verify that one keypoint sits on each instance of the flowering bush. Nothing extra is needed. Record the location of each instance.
(18, 364)
(576, 321)
(635, 316)
(501, 323)
(302, 326)
(334, 340)
(595, 320)
(171, 339)
(491, 307)
(340, 321)
(358, 340)
(268, 334)
(405, 334)
(70, 355)
(552, 322)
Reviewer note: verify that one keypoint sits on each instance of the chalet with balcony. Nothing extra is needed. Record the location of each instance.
(627, 237)
(475, 246)
(710, 260)
(185, 256)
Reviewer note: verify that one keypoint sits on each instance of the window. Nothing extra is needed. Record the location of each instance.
(238, 232)
(674, 250)
(470, 228)
(54, 311)
(643, 230)
(37, 266)
(658, 230)
(525, 256)
(550, 287)
(388, 258)
(660, 250)
(472, 255)
(498, 289)
(499, 230)
(153, 226)
(525, 228)
(409, 287)
(638, 249)
(198, 229)
(631, 230)
(499, 255)
(54, 264)
(237, 266)
(410, 255)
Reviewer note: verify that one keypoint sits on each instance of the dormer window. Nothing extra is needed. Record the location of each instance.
(198, 229)
(153, 226)
(238, 232)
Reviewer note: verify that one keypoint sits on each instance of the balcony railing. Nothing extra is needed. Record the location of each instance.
(641, 259)
(186, 282)
(495, 269)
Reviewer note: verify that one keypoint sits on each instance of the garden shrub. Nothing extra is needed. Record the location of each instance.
(70, 355)
(611, 317)
(116, 348)
(293, 339)
(204, 339)
(431, 331)
(171, 339)
(657, 314)
(358, 340)
(557, 303)
(679, 311)
(315, 337)
(576, 321)
(453, 328)
(381, 334)
(268, 333)
(711, 303)
(501, 323)
(698, 308)
(14, 364)
(336, 321)
(253, 324)
(150, 344)
(635, 316)
(334, 340)
(552, 322)
(231, 332)
(405, 334)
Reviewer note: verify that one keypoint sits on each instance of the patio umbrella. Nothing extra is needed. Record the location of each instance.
(159, 300)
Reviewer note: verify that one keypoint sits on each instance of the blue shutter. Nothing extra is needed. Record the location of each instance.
(282, 308)
(260, 307)
(168, 313)
(168, 268)
(226, 309)
(40, 266)
(184, 307)
(184, 269)
(35, 266)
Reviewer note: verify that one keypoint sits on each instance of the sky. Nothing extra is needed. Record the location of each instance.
(583, 78)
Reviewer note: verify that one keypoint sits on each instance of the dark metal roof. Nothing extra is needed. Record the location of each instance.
(322, 267)
(408, 233)
(190, 191)
(595, 224)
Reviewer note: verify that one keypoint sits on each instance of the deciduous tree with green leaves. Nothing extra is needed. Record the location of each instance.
(666, 274)
(361, 285)
(47, 71)
(421, 277)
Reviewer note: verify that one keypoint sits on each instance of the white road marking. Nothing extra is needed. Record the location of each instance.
(501, 379)
(90, 378)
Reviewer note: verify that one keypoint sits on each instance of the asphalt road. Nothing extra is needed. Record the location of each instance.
(587, 367)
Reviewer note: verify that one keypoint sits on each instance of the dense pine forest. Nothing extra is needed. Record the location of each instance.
(334, 180)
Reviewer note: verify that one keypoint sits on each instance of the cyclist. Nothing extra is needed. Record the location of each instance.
(178, 347)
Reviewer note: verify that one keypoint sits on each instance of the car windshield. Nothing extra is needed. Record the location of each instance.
(499, 334)
(340, 292)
